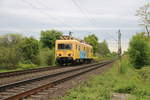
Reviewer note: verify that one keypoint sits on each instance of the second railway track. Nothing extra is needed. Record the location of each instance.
(20, 72)
(22, 89)
(10, 77)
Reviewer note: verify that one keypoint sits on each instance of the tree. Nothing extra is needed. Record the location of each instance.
(47, 56)
(103, 48)
(29, 48)
(144, 14)
(49, 37)
(9, 57)
(92, 40)
(10, 40)
(139, 50)
(9, 50)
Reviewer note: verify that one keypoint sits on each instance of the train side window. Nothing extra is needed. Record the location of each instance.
(76, 47)
(79, 48)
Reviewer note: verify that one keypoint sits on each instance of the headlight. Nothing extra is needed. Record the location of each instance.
(70, 55)
(59, 55)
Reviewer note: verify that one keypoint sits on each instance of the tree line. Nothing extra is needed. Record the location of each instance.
(17, 51)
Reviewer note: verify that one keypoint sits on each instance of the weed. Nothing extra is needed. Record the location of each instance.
(127, 80)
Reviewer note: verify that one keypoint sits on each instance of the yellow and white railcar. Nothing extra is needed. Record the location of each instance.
(72, 51)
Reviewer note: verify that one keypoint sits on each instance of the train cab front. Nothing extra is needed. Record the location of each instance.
(64, 53)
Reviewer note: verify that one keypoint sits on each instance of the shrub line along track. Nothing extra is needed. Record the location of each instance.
(58, 78)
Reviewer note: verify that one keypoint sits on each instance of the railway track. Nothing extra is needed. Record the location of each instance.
(23, 89)
(23, 75)
(20, 72)
(33, 73)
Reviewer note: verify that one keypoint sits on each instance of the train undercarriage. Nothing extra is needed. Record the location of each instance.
(64, 61)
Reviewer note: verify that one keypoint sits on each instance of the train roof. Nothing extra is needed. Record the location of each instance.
(69, 39)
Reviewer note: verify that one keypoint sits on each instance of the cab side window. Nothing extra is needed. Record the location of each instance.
(76, 47)
(79, 48)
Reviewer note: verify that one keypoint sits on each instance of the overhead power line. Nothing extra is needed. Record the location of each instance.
(85, 13)
(112, 37)
(43, 12)
(82, 11)
(63, 22)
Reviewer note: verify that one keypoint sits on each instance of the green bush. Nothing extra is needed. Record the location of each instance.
(9, 58)
(29, 48)
(47, 56)
(124, 65)
(145, 73)
(125, 87)
(36, 59)
(9, 51)
(139, 50)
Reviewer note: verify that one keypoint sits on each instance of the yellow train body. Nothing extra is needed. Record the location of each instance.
(69, 51)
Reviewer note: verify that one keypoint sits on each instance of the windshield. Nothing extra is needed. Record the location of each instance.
(65, 46)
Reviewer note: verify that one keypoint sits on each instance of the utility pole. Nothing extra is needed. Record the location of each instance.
(119, 44)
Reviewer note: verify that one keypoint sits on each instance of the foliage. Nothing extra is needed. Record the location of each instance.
(47, 56)
(103, 48)
(99, 58)
(10, 40)
(139, 50)
(27, 66)
(92, 40)
(124, 65)
(101, 87)
(112, 55)
(144, 14)
(29, 47)
(17, 52)
(145, 73)
(49, 37)
(9, 51)
(9, 57)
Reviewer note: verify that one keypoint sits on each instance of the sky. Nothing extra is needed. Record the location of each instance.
(82, 17)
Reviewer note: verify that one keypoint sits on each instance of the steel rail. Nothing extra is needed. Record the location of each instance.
(26, 71)
(20, 72)
(14, 84)
(55, 82)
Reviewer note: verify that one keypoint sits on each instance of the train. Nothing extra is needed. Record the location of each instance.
(69, 50)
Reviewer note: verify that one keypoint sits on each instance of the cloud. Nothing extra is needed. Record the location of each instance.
(32, 16)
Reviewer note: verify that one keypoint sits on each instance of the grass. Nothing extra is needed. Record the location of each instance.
(121, 78)
(7, 70)
(22, 67)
